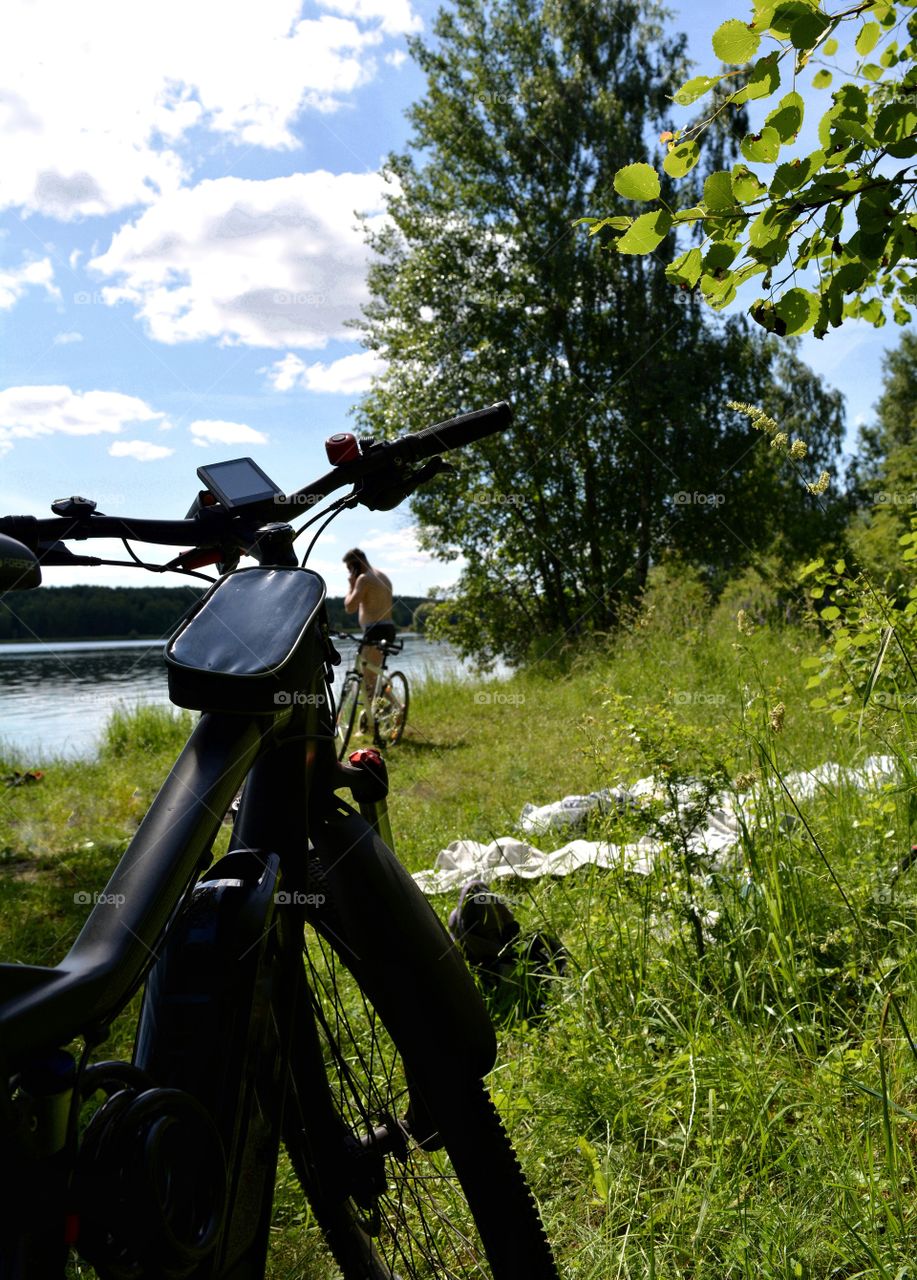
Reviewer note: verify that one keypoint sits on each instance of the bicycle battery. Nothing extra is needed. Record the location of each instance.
(251, 644)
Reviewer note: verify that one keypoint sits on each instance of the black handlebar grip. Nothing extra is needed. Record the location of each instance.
(456, 432)
(23, 528)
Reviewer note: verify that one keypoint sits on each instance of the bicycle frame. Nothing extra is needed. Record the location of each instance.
(362, 665)
(391, 937)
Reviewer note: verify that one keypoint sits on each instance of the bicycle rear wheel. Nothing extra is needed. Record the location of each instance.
(347, 714)
(391, 712)
(404, 1184)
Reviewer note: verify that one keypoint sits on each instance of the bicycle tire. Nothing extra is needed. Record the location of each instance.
(450, 1146)
(347, 714)
(456, 1206)
(393, 715)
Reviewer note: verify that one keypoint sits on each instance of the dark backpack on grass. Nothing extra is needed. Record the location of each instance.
(515, 968)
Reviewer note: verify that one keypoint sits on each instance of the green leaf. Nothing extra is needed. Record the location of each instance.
(788, 13)
(720, 256)
(599, 1180)
(735, 42)
(689, 216)
(637, 182)
(692, 90)
(770, 225)
(685, 269)
(718, 290)
(896, 122)
(762, 312)
(763, 81)
(646, 233)
(830, 47)
(798, 308)
(787, 117)
(746, 185)
(871, 71)
(868, 38)
(887, 633)
(795, 173)
(763, 147)
(599, 224)
(807, 29)
(718, 193)
(681, 159)
(831, 613)
(822, 79)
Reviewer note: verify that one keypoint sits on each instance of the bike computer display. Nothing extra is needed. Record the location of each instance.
(239, 483)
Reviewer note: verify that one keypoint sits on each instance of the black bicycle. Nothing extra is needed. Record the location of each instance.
(299, 988)
(372, 696)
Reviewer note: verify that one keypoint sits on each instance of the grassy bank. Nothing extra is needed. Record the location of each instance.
(739, 1100)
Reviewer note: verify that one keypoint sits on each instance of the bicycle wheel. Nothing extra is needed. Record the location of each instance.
(347, 714)
(391, 710)
(403, 1185)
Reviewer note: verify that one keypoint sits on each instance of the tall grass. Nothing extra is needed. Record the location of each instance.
(743, 1107)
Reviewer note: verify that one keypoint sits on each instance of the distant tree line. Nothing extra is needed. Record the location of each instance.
(128, 613)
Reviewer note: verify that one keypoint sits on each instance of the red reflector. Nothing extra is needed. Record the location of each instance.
(71, 1228)
(341, 448)
(366, 755)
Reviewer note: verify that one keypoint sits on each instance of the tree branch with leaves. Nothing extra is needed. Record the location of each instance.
(832, 233)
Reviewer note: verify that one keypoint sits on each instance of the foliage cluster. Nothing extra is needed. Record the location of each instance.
(837, 224)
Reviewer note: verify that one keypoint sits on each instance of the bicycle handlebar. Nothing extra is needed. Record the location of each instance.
(213, 526)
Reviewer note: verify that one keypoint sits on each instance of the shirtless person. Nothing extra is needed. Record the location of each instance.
(369, 595)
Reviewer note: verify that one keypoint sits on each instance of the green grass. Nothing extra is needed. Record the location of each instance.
(745, 1105)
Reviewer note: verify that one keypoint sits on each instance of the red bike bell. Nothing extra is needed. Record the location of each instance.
(342, 447)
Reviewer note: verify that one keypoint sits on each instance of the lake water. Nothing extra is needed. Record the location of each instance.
(55, 697)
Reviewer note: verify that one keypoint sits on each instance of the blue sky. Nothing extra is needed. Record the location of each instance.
(178, 255)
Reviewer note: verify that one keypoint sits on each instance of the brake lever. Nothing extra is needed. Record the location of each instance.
(387, 489)
(58, 554)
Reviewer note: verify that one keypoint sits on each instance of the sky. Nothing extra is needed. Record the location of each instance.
(179, 255)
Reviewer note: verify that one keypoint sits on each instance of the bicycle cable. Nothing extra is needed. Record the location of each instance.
(337, 508)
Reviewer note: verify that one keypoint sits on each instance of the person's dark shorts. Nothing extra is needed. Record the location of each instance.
(377, 631)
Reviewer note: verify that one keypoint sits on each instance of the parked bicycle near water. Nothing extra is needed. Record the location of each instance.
(372, 696)
(298, 988)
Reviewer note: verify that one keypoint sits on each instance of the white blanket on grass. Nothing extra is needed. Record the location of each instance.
(714, 841)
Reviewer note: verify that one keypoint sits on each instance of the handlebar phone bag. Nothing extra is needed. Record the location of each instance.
(251, 645)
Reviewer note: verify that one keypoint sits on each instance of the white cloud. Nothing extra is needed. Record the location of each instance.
(276, 263)
(29, 412)
(140, 450)
(96, 97)
(398, 550)
(396, 15)
(212, 431)
(397, 58)
(346, 376)
(13, 284)
(64, 339)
